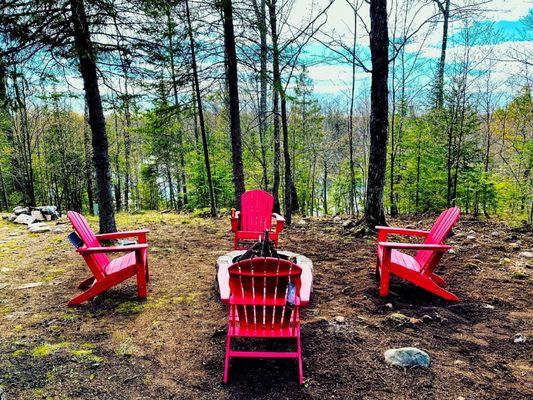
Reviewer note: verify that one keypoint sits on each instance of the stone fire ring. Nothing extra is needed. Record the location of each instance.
(224, 262)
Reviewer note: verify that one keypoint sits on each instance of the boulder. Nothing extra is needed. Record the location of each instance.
(37, 215)
(39, 227)
(12, 217)
(24, 219)
(21, 210)
(407, 357)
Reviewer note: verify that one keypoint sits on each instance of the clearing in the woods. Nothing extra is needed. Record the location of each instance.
(172, 345)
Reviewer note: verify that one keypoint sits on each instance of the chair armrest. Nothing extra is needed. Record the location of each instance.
(415, 246)
(112, 249)
(280, 222)
(125, 234)
(383, 231)
(235, 220)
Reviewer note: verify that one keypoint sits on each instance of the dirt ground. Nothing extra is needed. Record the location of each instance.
(172, 345)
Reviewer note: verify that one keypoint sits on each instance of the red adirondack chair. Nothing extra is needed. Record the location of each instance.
(419, 269)
(264, 303)
(108, 273)
(255, 218)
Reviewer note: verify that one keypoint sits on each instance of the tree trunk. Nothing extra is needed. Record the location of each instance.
(201, 114)
(87, 60)
(444, 7)
(5, 124)
(26, 145)
(351, 208)
(233, 89)
(263, 78)
(379, 45)
(325, 198)
(127, 146)
(88, 166)
(181, 177)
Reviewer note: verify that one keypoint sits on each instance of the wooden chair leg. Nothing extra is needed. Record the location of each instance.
(226, 359)
(94, 290)
(384, 281)
(300, 362)
(429, 285)
(141, 282)
(147, 272)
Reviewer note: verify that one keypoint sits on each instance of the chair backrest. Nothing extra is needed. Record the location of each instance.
(428, 259)
(96, 262)
(265, 292)
(256, 211)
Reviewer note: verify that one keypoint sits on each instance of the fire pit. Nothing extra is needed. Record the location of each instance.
(224, 262)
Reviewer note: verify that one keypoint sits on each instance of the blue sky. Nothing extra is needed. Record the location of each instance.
(332, 79)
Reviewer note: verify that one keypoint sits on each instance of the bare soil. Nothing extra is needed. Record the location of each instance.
(171, 346)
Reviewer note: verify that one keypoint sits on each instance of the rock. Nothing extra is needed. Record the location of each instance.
(407, 357)
(340, 319)
(452, 251)
(337, 219)
(39, 227)
(37, 215)
(29, 285)
(410, 226)
(460, 398)
(21, 210)
(399, 317)
(12, 217)
(495, 234)
(3, 286)
(471, 232)
(302, 222)
(488, 306)
(519, 338)
(58, 230)
(459, 362)
(51, 211)
(526, 254)
(388, 305)
(470, 238)
(24, 219)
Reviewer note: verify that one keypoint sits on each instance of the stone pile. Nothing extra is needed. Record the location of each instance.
(34, 218)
